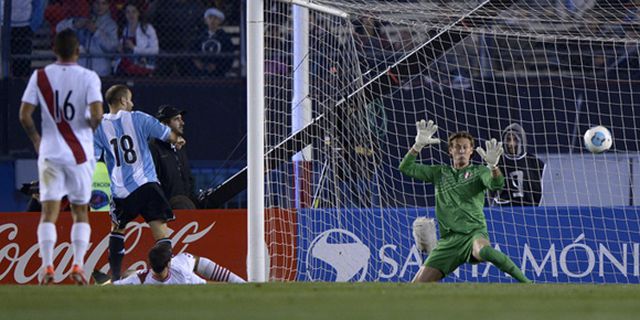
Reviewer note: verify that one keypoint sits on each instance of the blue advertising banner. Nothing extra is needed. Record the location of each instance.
(550, 244)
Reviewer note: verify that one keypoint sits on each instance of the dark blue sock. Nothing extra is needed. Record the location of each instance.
(116, 254)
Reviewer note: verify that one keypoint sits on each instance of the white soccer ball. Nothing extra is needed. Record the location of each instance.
(598, 139)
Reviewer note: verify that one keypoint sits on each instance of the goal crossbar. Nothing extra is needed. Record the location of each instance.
(438, 43)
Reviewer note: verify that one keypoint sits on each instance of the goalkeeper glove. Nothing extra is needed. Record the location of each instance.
(426, 130)
(424, 234)
(493, 153)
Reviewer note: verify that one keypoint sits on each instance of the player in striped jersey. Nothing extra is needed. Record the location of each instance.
(122, 138)
(71, 103)
(183, 268)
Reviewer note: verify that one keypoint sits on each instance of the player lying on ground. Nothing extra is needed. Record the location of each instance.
(460, 194)
(184, 268)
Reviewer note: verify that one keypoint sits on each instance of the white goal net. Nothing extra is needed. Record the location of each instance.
(345, 89)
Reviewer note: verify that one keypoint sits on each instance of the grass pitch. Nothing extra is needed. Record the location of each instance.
(323, 301)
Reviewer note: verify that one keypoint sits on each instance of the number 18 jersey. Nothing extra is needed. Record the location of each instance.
(64, 92)
(122, 138)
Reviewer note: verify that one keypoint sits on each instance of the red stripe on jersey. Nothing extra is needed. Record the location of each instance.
(63, 126)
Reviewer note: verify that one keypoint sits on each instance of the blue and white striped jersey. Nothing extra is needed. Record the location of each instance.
(123, 138)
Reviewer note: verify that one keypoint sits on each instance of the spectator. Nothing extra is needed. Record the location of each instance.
(214, 41)
(59, 10)
(98, 35)
(138, 37)
(26, 17)
(522, 171)
(177, 23)
(171, 162)
(117, 9)
(231, 9)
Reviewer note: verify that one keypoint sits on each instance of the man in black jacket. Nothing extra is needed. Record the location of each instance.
(523, 171)
(171, 162)
(215, 43)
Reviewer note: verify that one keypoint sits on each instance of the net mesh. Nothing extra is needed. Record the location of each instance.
(537, 73)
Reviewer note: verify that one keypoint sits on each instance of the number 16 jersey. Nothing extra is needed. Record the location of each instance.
(64, 91)
(122, 139)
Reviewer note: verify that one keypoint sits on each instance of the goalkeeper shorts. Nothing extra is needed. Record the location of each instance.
(453, 251)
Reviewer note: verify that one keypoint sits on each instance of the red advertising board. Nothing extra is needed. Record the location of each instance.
(219, 235)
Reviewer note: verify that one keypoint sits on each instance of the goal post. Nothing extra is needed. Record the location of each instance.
(256, 251)
(340, 113)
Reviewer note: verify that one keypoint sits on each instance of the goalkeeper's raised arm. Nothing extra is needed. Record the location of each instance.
(426, 131)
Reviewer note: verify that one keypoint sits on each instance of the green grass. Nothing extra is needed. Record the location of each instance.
(323, 301)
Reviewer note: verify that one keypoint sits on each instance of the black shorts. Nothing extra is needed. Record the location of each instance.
(148, 201)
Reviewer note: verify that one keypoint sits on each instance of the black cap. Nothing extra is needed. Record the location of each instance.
(167, 112)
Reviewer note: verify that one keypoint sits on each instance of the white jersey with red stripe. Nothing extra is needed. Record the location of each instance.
(180, 272)
(64, 92)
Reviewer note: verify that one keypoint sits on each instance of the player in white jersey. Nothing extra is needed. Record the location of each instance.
(71, 107)
(184, 268)
(122, 139)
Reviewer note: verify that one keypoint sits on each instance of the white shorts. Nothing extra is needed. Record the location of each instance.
(73, 180)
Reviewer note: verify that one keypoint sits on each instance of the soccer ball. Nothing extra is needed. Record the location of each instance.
(598, 139)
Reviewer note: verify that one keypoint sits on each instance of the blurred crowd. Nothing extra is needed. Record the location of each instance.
(133, 37)
(201, 38)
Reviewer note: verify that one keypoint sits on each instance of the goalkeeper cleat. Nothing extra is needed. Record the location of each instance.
(77, 275)
(47, 276)
(100, 278)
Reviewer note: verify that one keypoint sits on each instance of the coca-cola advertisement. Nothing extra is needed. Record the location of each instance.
(219, 235)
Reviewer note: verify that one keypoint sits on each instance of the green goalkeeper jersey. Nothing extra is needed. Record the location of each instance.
(460, 193)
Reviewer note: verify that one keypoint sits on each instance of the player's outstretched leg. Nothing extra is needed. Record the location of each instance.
(503, 263)
(116, 254)
(427, 274)
(215, 272)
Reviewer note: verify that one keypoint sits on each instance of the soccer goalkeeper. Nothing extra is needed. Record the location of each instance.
(460, 194)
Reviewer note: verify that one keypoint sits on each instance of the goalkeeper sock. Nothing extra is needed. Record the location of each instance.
(214, 272)
(503, 263)
(116, 254)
